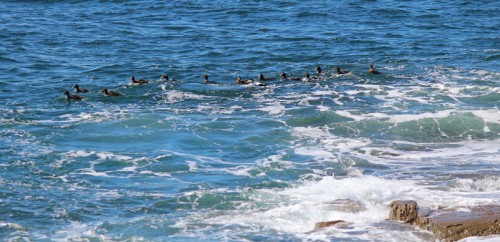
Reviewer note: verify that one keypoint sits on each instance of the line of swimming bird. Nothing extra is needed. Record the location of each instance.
(260, 82)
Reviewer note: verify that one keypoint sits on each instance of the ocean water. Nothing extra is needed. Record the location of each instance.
(186, 161)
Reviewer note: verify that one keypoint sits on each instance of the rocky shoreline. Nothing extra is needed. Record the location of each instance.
(449, 224)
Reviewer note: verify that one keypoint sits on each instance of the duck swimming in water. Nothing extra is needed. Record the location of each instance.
(72, 97)
(372, 70)
(262, 78)
(140, 81)
(206, 81)
(110, 93)
(284, 77)
(164, 77)
(309, 78)
(341, 72)
(243, 82)
(77, 89)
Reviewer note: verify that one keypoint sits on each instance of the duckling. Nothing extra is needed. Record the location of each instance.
(309, 78)
(284, 77)
(262, 78)
(341, 72)
(206, 81)
(372, 70)
(110, 93)
(77, 89)
(140, 81)
(243, 82)
(72, 97)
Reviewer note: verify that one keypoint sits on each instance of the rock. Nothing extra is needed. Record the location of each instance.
(321, 225)
(449, 224)
(455, 225)
(404, 210)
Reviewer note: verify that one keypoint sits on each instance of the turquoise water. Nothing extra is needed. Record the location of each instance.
(186, 161)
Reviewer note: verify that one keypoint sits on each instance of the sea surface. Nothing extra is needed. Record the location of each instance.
(180, 160)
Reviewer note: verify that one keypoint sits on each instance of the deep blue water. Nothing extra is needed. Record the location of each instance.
(186, 161)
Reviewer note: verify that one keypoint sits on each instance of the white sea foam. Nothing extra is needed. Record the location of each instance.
(488, 115)
(174, 96)
(296, 210)
(305, 101)
(192, 166)
(163, 174)
(318, 153)
(491, 238)
(322, 108)
(238, 171)
(488, 184)
(77, 231)
(83, 117)
(274, 109)
(12, 226)
(348, 114)
(485, 150)
(109, 155)
(92, 172)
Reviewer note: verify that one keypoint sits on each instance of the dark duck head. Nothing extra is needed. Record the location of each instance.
(285, 77)
(318, 70)
(206, 81)
(164, 76)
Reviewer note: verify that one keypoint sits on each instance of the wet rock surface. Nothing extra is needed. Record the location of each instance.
(321, 225)
(449, 224)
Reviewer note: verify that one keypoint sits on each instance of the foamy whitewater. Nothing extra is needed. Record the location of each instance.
(186, 161)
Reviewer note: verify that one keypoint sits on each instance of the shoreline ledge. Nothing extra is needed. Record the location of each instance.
(449, 224)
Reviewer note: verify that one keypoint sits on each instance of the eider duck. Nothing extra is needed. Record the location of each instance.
(206, 81)
(284, 77)
(262, 78)
(243, 82)
(372, 70)
(110, 93)
(140, 81)
(309, 78)
(77, 89)
(72, 97)
(341, 72)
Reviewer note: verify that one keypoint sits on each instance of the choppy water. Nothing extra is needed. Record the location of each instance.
(187, 161)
